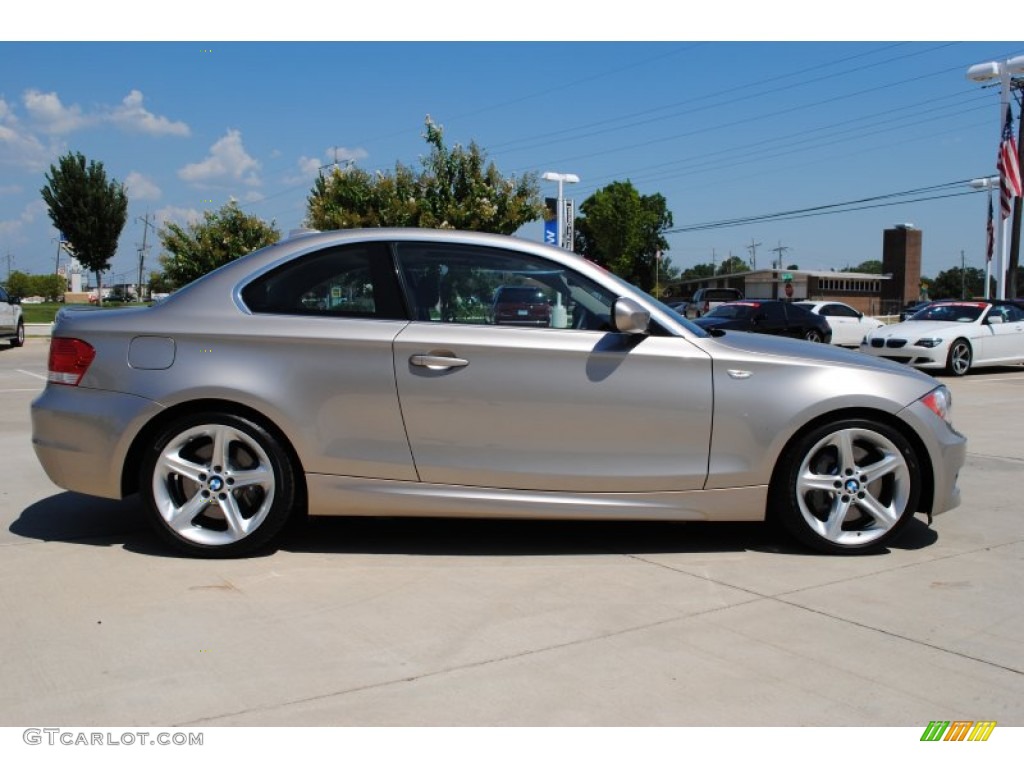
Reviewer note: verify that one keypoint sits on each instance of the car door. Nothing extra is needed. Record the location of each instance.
(1005, 340)
(575, 407)
(845, 324)
(6, 314)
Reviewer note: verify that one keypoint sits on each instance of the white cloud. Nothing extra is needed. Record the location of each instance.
(177, 215)
(132, 116)
(51, 115)
(141, 188)
(344, 154)
(23, 150)
(227, 162)
(11, 227)
(309, 165)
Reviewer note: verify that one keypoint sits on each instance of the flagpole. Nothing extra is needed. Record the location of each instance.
(1001, 241)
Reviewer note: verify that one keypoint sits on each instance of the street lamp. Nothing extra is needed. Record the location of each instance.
(561, 178)
(983, 73)
(989, 183)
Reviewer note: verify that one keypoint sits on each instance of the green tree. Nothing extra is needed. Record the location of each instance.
(956, 283)
(732, 265)
(456, 188)
(19, 284)
(89, 210)
(201, 247)
(698, 271)
(623, 231)
(871, 267)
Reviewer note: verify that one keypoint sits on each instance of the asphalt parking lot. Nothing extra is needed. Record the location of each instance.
(406, 623)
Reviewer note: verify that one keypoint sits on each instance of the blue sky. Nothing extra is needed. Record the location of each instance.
(722, 130)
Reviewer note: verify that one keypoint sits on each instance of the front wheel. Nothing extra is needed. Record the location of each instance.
(814, 335)
(19, 337)
(217, 485)
(846, 487)
(960, 356)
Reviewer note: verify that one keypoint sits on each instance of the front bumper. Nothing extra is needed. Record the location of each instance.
(81, 436)
(947, 452)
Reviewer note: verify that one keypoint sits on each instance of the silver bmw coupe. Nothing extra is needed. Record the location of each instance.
(363, 372)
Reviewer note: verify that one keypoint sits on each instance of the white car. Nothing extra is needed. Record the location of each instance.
(12, 325)
(848, 325)
(954, 335)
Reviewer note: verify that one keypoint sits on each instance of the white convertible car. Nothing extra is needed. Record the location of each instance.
(953, 335)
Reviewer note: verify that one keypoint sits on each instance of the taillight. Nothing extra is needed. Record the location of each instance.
(69, 360)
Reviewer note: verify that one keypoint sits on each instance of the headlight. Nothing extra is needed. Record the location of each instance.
(940, 402)
(928, 343)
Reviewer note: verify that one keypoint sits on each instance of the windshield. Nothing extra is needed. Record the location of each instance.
(954, 312)
(732, 311)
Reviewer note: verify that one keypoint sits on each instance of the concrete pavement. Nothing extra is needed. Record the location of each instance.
(394, 622)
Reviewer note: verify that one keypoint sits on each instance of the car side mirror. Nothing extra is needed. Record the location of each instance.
(630, 317)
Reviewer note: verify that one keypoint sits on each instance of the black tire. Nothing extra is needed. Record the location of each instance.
(19, 337)
(814, 335)
(960, 357)
(217, 506)
(846, 487)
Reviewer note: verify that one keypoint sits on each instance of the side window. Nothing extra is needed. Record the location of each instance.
(490, 286)
(348, 281)
(1014, 314)
(838, 310)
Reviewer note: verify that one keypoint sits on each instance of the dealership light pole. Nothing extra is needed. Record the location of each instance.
(984, 73)
(989, 183)
(561, 178)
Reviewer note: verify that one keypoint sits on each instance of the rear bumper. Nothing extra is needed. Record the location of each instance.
(81, 436)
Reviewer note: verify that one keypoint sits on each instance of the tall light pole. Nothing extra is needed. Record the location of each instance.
(989, 183)
(561, 178)
(984, 73)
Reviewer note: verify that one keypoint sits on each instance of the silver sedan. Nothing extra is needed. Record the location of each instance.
(360, 373)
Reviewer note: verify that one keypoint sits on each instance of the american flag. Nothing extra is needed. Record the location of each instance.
(1008, 166)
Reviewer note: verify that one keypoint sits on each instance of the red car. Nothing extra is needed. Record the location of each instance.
(521, 305)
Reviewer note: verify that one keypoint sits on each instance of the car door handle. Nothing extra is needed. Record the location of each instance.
(438, 362)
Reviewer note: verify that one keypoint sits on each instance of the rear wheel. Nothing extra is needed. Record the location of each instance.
(814, 335)
(217, 485)
(846, 487)
(960, 357)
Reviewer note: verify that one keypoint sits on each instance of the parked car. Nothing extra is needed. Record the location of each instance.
(232, 405)
(848, 325)
(706, 299)
(12, 324)
(953, 335)
(912, 308)
(521, 305)
(772, 316)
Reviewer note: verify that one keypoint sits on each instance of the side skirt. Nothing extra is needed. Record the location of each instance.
(352, 496)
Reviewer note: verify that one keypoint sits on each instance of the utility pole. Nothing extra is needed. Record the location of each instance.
(781, 249)
(753, 253)
(9, 257)
(963, 276)
(146, 224)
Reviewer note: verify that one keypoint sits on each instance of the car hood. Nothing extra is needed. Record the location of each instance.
(798, 350)
(918, 329)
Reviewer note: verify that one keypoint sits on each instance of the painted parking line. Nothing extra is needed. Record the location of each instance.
(30, 373)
